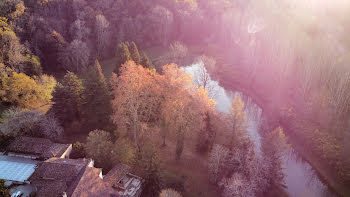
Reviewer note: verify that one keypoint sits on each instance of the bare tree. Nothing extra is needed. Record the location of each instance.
(79, 30)
(236, 186)
(163, 19)
(102, 34)
(178, 51)
(202, 77)
(216, 159)
(50, 127)
(76, 56)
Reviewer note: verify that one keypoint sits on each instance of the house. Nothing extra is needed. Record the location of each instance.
(59, 177)
(126, 184)
(37, 148)
(44, 167)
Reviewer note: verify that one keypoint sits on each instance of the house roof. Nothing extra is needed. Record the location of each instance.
(37, 146)
(55, 176)
(76, 177)
(116, 174)
(92, 185)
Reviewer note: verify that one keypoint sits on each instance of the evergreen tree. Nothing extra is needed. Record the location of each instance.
(146, 62)
(123, 55)
(96, 108)
(135, 55)
(67, 99)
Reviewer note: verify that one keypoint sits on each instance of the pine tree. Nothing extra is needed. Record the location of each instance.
(67, 99)
(146, 62)
(96, 108)
(135, 55)
(123, 55)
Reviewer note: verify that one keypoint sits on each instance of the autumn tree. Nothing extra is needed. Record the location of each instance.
(169, 193)
(67, 99)
(23, 91)
(32, 66)
(237, 121)
(123, 55)
(78, 151)
(134, 52)
(96, 108)
(135, 98)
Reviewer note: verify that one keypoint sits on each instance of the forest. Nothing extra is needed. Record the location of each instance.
(109, 77)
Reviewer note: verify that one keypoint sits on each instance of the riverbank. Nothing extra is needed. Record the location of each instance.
(272, 108)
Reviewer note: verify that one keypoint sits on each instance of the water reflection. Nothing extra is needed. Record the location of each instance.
(301, 179)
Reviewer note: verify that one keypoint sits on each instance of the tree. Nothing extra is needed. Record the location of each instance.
(102, 34)
(135, 98)
(216, 160)
(78, 151)
(202, 77)
(134, 52)
(25, 92)
(273, 147)
(11, 50)
(3, 190)
(75, 57)
(146, 62)
(67, 99)
(50, 128)
(17, 122)
(149, 165)
(162, 19)
(32, 66)
(206, 135)
(79, 30)
(236, 185)
(99, 147)
(178, 51)
(169, 193)
(237, 121)
(96, 108)
(123, 55)
(124, 152)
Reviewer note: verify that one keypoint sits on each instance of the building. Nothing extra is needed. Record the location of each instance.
(41, 166)
(126, 184)
(37, 148)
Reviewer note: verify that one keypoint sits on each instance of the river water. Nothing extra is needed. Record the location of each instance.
(300, 178)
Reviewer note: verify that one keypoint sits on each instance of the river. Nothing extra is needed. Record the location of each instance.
(300, 178)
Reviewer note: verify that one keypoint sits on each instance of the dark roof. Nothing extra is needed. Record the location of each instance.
(76, 177)
(44, 148)
(116, 174)
(91, 185)
(55, 176)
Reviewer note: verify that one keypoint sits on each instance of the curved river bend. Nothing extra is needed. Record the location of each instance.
(301, 179)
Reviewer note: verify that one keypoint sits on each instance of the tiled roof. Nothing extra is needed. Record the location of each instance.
(116, 174)
(44, 148)
(55, 176)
